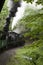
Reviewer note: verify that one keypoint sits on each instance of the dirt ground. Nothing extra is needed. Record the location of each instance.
(4, 57)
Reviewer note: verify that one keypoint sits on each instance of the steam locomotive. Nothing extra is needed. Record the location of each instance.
(7, 38)
(12, 40)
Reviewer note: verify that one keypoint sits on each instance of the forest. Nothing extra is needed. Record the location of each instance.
(30, 23)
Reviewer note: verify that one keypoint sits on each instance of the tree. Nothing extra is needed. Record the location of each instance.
(32, 21)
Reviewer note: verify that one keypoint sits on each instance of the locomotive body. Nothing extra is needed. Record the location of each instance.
(12, 40)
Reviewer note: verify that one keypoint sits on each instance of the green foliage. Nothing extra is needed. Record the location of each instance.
(29, 0)
(32, 21)
(3, 15)
(40, 2)
(40, 61)
(16, 0)
(36, 25)
(34, 51)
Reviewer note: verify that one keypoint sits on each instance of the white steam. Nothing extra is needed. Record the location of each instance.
(19, 14)
(21, 10)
